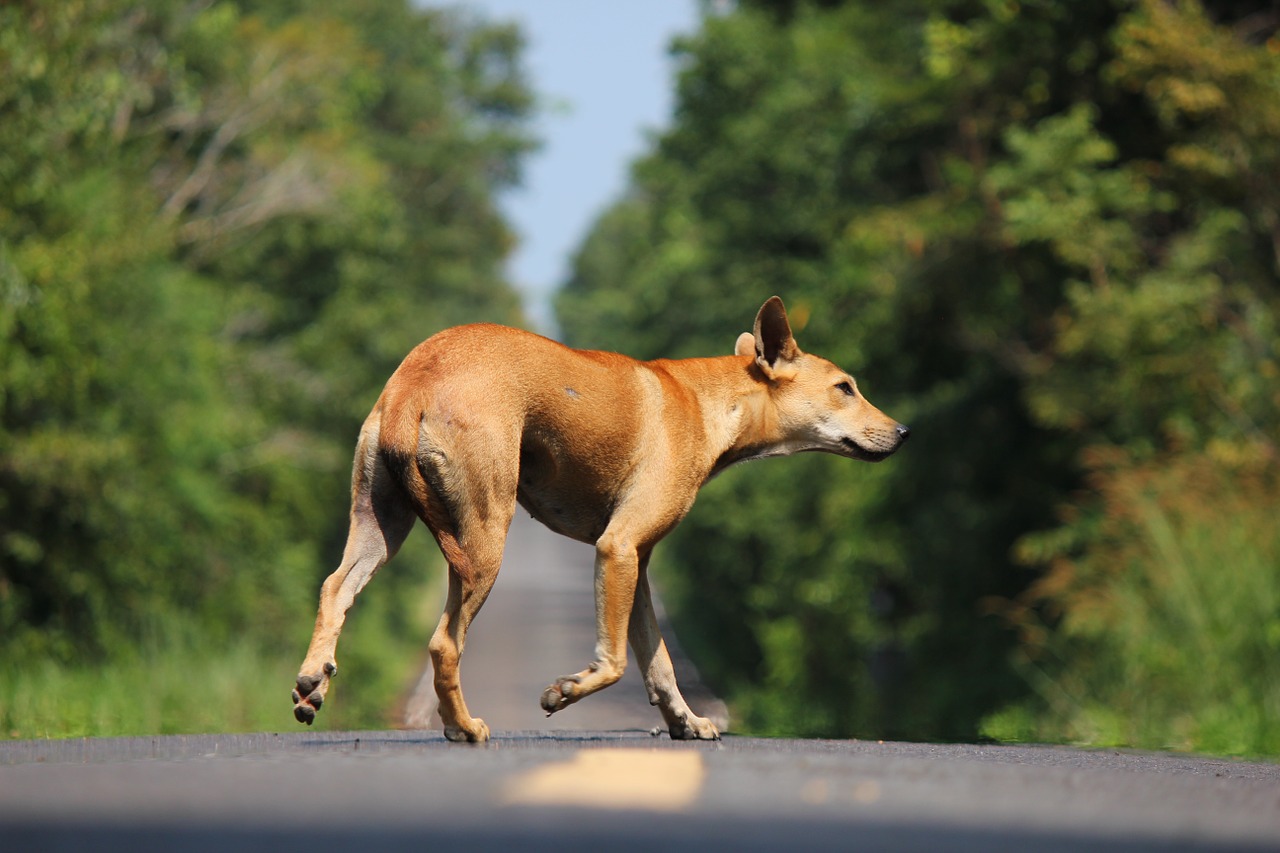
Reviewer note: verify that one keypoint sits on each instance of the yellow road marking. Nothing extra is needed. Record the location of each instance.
(658, 780)
(866, 792)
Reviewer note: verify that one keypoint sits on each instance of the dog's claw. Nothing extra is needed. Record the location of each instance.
(304, 714)
(308, 683)
(457, 734)
(552, 700)
(558, 696)
(694, 728)
(308, 695)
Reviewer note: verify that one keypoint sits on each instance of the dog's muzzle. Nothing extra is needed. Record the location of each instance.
(864, 454)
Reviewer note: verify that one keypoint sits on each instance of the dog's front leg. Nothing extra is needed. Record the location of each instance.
(659, 674)
(617, 568)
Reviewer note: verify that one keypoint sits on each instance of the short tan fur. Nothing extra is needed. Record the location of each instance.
(597, 446)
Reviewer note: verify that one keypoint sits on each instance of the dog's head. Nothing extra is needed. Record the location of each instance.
(817, 404)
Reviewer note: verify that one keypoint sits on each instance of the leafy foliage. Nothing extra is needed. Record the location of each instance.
(1168, 626)
(223, 225)
(1035, 232)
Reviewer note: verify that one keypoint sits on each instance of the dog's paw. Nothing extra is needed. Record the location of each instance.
(308, 694)
(560, 695)
(478, 732)
(694, 728)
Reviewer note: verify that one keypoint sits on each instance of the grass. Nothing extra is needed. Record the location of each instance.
(1172, 641)
(170, 692)
(181, 680)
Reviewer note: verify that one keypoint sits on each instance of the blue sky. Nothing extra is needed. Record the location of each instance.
(605, 81)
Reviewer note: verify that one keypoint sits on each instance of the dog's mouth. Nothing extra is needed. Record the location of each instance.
(857, 451)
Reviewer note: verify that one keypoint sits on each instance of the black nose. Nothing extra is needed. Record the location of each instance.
(904, 432)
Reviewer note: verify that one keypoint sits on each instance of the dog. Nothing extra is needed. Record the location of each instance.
(598, 447)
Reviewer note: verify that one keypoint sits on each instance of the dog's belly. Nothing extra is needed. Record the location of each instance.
(563, 493)
(566, 519)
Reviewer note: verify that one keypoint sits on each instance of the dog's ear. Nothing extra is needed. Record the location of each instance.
(775, 348)
(746, 344)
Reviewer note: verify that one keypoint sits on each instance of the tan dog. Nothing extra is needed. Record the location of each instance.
(597, 446)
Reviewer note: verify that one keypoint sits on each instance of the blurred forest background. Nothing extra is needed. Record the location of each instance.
(1045, 234)
(222, 225)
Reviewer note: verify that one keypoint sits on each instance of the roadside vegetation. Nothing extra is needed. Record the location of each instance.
(1047, 236)
(1044, 234)
(222, 225)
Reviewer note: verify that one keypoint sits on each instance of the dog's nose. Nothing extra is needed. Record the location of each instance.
(904, 432)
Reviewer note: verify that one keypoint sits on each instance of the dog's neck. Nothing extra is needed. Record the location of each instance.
(738, 419)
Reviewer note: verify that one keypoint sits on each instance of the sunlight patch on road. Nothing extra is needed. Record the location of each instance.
(667, 780)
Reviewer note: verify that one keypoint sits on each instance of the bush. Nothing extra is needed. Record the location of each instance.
(1169, 624)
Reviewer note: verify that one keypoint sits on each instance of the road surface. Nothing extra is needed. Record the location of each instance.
(384, 791)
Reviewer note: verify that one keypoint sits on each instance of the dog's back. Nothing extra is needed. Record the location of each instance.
(483, 410)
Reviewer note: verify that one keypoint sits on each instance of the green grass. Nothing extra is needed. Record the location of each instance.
(192, 688)
(180, 680)
(176, 691)
(1175, 642)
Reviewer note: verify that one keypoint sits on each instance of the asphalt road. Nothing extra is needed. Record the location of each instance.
(383, 791)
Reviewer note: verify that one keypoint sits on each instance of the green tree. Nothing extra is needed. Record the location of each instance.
(1163, 583)
(221, 226)
(1031, 229)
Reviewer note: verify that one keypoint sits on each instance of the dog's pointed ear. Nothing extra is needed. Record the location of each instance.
(746, 344)
(775, 348)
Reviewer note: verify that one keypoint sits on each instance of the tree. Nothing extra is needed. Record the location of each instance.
(1031, 230)
(223, 226)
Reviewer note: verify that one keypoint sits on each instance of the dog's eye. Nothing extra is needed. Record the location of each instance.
(846, 389)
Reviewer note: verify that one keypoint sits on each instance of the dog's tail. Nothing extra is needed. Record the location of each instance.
(399, 440)
(413, 465)
(398, 431)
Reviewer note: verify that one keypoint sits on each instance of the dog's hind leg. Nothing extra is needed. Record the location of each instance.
(471, 500)
(381, 518)
(659, 674)
(474, 556)
(468, 589)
